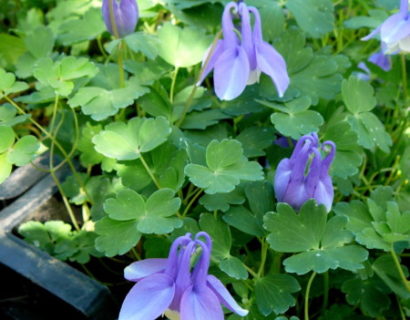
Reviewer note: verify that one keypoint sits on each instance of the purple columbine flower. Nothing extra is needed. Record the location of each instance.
(395, 31)
(120, 17)
(240, 57)
(305, 175)
(173, 286)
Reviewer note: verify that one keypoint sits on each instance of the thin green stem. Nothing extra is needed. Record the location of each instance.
(264, 253)
(253, 273)
(101, 47)
(150, 173)
(51, 165)
(191, 202)
(403, 278)
(402, 314)
(121, 63)
(307, 293)
(52, 138)
(136, 254)
(174, 79)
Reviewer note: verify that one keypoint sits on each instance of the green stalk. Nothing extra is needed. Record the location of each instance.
(308, 287)
(150, 173)
(174, 78)
(264, 253)
(403, 278)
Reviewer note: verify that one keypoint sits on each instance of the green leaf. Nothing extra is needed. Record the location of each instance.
(298, 120)
(255, 139)
(220, 234)
(89, 156)
(5, 167)
(226, 167)
(8, 84)
(202, 120)
(370, 294)
(358, 95)
(152, 215)
(370, 131)
(127, 141)
(377, 225)
(11, 49)
(60, 75)
(221, 201)
(321, 245)
(24, 151)
(348, 153)
(86, 28)
(314, 16)
(244, 220)
(116, 237)
(182, 47)
(40, 42)
(234, 268)
(274, 293)
(100, 103)
(385, 267)
(142, 42)
(7, 138)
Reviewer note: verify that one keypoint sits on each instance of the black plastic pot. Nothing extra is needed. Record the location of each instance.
(65, 282)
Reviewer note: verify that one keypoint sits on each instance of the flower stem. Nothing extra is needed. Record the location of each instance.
(264, 253)
(308, 287)
(121, 63)
(150, 173)
(172, 90)
(399, 269)
(51, 164)
(191, 202)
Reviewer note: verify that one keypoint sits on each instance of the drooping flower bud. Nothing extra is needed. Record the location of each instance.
(305, 175)
(120, 17)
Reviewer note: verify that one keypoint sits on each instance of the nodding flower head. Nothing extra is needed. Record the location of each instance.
(395, 31)
(305, 175)
(241, 56)
(177, 287)
(120, 17)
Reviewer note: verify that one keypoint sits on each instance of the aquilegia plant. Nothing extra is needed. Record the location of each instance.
(120, 17)
(173, 286)
(240, 57)
(395, 31)
(305, 175)
(164, 134)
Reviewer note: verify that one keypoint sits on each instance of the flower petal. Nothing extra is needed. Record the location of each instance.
(144, 268)
(282, 177)
(231, 73)
(224, 296)
(324, 193)
(394, 29)
(210, 62)
(200, 305)
(272, 63)
(148, 299)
